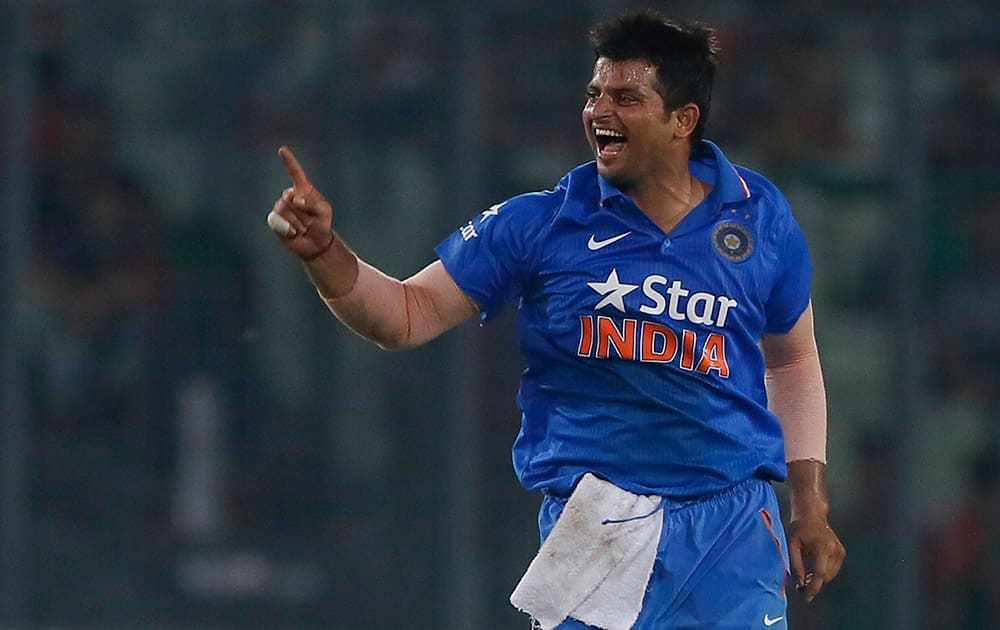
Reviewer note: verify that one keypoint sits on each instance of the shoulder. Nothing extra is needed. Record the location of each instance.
(772, 218)
(538, 208)
(769, 207)
(764, 194)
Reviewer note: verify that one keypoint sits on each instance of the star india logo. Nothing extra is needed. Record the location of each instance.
(682, 327)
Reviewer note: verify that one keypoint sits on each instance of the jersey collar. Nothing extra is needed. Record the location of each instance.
(708, 163)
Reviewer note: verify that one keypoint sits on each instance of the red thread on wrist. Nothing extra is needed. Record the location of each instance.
(325, 249)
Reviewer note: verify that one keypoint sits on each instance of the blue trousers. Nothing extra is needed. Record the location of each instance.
(721, 562)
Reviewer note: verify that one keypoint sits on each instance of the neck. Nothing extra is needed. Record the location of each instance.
(669, 198)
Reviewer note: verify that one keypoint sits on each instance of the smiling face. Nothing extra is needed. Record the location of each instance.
(626, 123)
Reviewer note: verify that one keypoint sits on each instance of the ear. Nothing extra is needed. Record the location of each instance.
(685, 119)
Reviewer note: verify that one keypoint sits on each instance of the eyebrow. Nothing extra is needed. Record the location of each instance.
(626, 91)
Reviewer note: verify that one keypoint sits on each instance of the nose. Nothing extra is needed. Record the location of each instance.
(599, 105)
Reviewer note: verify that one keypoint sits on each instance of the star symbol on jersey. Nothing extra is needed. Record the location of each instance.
(493, 211)
(613, 290)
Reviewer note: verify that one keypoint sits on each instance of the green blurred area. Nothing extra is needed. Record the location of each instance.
(206, 447)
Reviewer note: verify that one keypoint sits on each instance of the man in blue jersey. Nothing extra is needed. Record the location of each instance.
(672, 373)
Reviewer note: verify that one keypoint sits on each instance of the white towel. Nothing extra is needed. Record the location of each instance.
(594, 572)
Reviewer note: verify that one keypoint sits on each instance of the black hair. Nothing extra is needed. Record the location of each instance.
(685, 56)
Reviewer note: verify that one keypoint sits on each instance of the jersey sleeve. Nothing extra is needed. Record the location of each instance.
(791, 289)
(489, 257)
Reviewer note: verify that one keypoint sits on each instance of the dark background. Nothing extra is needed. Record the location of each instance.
(189, 439)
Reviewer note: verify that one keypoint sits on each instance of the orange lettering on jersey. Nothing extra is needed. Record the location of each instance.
(688, 339)
(651, 342)
(659, 343)
(713, 357)
(586, 335)
(608, 336)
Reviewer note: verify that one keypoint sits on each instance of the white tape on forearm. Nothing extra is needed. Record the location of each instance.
(278, 224)
(796, 395)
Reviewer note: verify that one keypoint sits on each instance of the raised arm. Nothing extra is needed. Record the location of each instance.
(394, 314)
(796, 395)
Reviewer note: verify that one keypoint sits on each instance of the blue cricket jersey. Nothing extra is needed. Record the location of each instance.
(643, 364)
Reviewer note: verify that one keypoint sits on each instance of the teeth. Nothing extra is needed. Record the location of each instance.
(607, 133)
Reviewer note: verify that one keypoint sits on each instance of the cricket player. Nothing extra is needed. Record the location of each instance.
(672, 374)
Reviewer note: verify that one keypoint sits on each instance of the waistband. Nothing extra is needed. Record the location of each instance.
(671, 504)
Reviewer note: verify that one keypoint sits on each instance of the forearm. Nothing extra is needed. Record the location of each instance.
(335, 272)
(807, 490)
(392, 313)
(374, 307)
(797, 396)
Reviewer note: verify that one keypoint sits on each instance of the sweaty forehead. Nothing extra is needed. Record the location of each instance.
(635, 73)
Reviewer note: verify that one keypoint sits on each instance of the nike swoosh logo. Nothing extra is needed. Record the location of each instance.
(768, 621)
(593, 244)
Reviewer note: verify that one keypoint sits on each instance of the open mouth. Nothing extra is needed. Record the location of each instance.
(609, 142)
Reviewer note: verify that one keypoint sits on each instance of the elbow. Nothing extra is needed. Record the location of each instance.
(791, 363)
(391, 336)
(393, 341)
(389, 322)
(394, 345)
(401, 334)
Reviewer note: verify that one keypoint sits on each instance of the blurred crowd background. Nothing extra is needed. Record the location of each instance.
(189, 439)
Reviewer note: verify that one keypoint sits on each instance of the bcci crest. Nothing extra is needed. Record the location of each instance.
(733, 241)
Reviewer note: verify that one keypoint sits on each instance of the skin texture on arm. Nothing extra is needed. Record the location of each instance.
(796, 395)
(398, 315)
(394, 314)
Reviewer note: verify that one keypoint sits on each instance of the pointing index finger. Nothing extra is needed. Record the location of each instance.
(295, 170)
